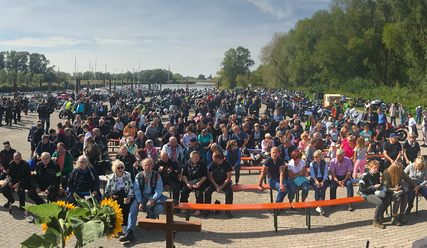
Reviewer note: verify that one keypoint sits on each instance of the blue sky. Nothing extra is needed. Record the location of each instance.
(189, 35)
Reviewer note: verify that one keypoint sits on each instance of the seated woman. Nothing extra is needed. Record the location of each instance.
(205, 139)
(83, 180)
(151, 150)
(411, 149)
(223, 139)
(296, 173)
(194, 176)
(319, 179)
(118, 129)
(369, 185)
(233, 155)
(257, 135)
(304, 142)
(392, 180)
(209, 154)
(418, 173)
(188, 136)
(266, 145)
(120, 188)
(92, 150)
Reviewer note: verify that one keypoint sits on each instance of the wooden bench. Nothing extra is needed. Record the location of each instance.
(235, 207)
(354, 181)
(314, 204)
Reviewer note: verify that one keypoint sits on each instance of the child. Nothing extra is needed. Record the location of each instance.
(233, 156)
(309, 151)
(359, 156)
(332, 153)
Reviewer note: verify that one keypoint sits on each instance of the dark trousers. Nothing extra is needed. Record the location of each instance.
(173, 183)
(6, 190)
(411, 195)
(237, 173)
(381, 205)
(334, 185)
(1, 116)
(16, 117)
(199, 193)
(227, 189)
(64, 180)
(125, 209)
(37, 199)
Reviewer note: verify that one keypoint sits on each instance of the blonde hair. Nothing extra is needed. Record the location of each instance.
(421, 161)
(360, 142)
(374, 163)
(230, 143)
(318, 153)
(115, 164)
(394, 170)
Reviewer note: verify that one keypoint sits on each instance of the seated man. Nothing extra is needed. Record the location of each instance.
(274, 166)
(128, 160)
(131, 146)
(174, 151)
(45, 178)
(341, 170)
(148, 189)
(100, 140)
(169, 170)
(220, 180)
(44, 146)
(18, 178)
(6, 155)
(141, 139)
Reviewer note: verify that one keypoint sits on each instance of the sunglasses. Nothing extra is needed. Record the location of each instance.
(120, 168)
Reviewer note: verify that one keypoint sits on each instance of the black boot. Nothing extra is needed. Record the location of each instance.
(128, 237)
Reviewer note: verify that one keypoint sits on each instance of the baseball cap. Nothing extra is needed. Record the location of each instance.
(193, 140)
(6, 143)
(393, 135)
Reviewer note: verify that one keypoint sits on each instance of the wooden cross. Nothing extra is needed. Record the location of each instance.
(169, 225)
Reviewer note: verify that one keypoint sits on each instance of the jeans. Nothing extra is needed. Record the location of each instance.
(152, 211)
(402, 120)
(293, 189)
(237, 173)
(411, 195)
(418, 118)
(334, 186)
(47, 121)
(319, 193)
(275, 184)
(381, 205)
(393, 119)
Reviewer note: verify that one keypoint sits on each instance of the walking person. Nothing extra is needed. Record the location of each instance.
(402, 113)
(418, 112)
(393, 114)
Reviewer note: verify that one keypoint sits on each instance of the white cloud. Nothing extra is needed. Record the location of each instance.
(52, 41)
(100, 41)
(268, 7)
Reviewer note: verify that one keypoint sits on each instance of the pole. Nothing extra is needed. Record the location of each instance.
(57, 81)
(186, 82)
(139, 72)
(122, 78)
(95, 73)
(75, 74)
(131, 83)
(105, 75)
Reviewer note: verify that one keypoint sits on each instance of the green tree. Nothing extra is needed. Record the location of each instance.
(236, 62)
(38, 63)
(3, 76)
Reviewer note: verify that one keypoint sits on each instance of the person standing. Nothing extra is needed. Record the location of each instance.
(1, 111)
(402, 113)
(418, 112)
(392, 151)
(44, 115)
(393, 114)
(424, 128)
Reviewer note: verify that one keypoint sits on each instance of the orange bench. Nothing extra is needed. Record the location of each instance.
(314, 204)
(235, 207)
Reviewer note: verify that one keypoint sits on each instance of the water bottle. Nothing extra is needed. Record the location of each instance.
(29, 218)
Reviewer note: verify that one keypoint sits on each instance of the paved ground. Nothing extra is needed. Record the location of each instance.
(338, 228)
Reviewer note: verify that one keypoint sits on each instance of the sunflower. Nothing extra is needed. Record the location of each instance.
(70, 206)
(60, 203)
(116, 221)
(44, 227)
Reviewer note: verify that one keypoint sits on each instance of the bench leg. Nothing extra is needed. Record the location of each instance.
(308, 218)
(187, 215)
(275, 219)
(297, 195)
(416, 206)
(271, 195)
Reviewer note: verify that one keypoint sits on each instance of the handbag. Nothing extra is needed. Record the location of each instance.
(300, 180)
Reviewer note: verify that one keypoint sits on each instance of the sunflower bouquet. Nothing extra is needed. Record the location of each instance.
(60, 221)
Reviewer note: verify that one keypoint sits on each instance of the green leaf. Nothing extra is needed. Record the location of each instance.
(45, 210)
(53, 236)
(107, 210)
(82, 212)
(36, 241)
(87, 233)
(41, 220)
(86, 204)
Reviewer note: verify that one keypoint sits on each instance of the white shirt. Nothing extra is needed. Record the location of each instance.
(296, 168)
(120, 183)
